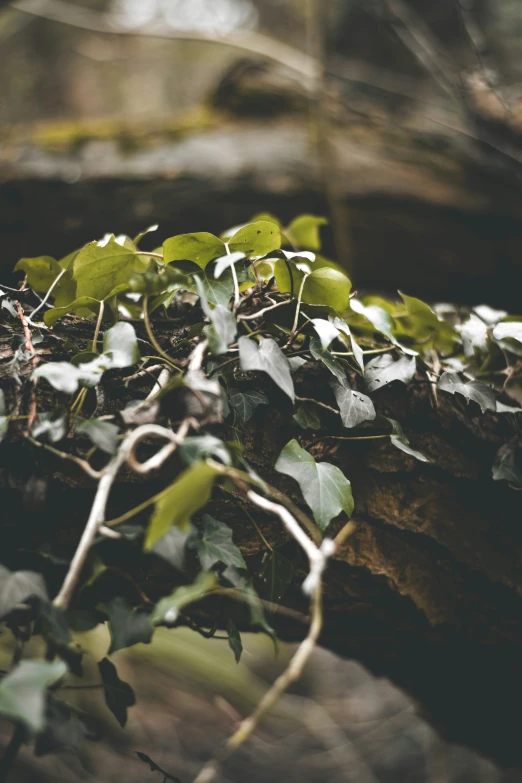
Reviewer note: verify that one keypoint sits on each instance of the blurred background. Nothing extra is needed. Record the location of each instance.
(401, 121)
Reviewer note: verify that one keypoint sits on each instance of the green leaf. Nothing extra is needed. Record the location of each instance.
(166, 611)
(234, 639)
(326, 331)
(506, 468)
(422, 324)
(127, 626)
(42, 272)
(256, 239)
(478, 391)
(200, 248)
(325, 488)
(22, 691)
(381, 321)
(328, 287)
(81, 306)
(223, 328)
(103, 434)
(307, 418)
(186, 495)
(119, 695)
(101, 267)
(155, 768)
(17, 586)
(173, 545)
(354, 406)
(67, 378)
(215, 545)
(197, 447)
(267, 358)
(245, 402)
(304, 231)
(384, 369)
(121, 346)
(401, 442)
(328, 359)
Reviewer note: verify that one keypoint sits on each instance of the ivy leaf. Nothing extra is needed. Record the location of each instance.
(197, 447)
(327, 358)
(200, 248)
(267, 358)
(329, 287)
(17, 586)
(307, 418)
(52, 426)
(215, 545)
(474, 334)
(508, 329)
(245, 402)
(127, 626)
(119, 695)
(381, 321)
(325, 488)
(326, 331)
(354, 406)
(225, 262)
(400, 441)
(121, 346)
(22, 691)
(223, 326)
(471, 390)
(173, 545)
(101, 267)
(166, 611)
(256, 239)
(155, 768)
(506, 468)
(42, 272)
(384, 369)
(103, 434)
(67, 378)
(358, 354)
(422, 323)
(234, 639)
(304, 231)
(186, 495)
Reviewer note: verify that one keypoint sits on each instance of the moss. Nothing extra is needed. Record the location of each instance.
(71, 135)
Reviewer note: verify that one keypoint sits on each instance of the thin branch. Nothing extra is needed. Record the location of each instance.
(260, 313)
(82, 463)
(320, 404)
(97, 515)
(97, 328)
(45, 300)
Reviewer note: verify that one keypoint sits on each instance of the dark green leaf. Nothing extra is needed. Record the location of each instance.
(267, 358)
(384, 369)
(17, 586)
(478, 391)
(186, 495)
(127, 626)
(197, 447)
(325, 488)
(22, 691)
(173, 545)
(277, 574)
(119, 695)
(234, 639)
(400, 441)
(215, 545)
(63, 730)
(245, 402)
(327, 358)
(307, 418)
(354, 406)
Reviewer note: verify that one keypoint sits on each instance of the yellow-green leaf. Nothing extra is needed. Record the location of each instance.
(304, 231)
(99, 269)
(200, 248)
(186, 495)
(256, 239)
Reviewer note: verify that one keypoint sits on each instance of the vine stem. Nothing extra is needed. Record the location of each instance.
(96, 518)
(30, 348)
(150, 334)
(318, 558)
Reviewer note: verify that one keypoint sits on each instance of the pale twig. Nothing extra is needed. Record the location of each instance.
(97, 328)
(45, 300)
(161, 382)
(320, 404)
(82, 463)
(96, 518)
(260, 313)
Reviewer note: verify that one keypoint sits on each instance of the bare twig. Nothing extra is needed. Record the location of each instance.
(29, 347)
(96, 518)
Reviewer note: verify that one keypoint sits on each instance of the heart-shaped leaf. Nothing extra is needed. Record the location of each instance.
(119, 695)
(354, 406)
(478, 391)
(267, 358)
(23, 690)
